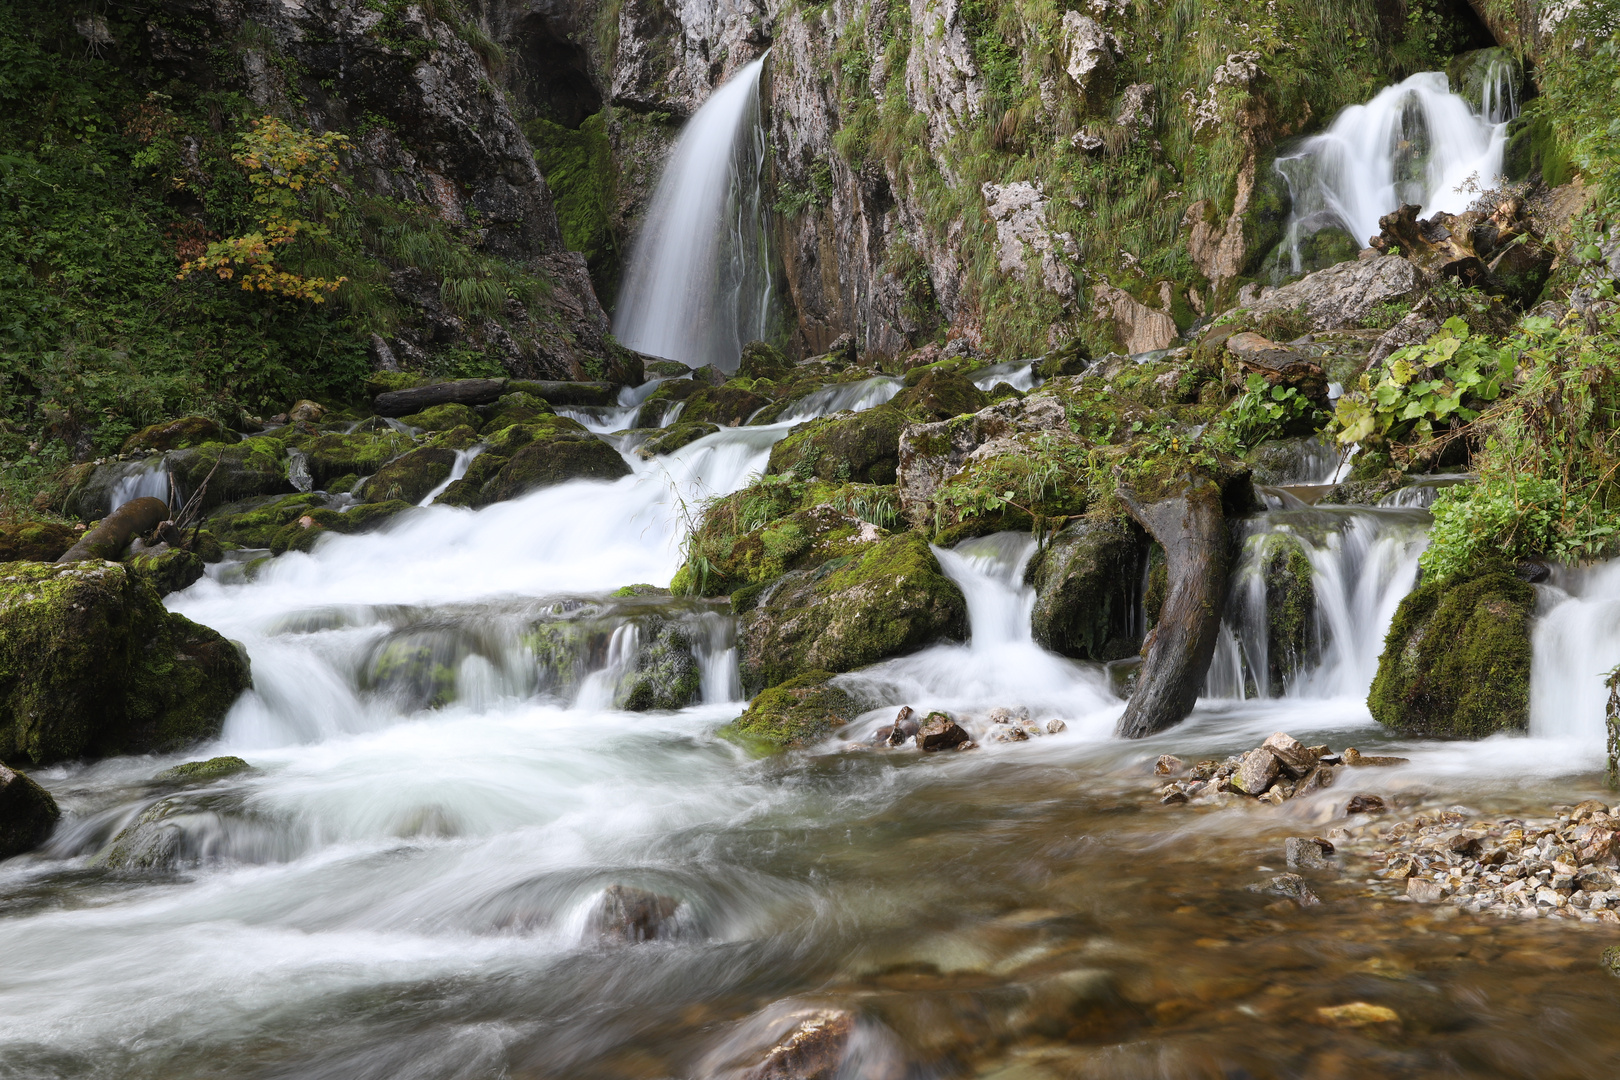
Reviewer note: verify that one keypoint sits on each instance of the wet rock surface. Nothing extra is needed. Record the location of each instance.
(630, 915)
(27, 813)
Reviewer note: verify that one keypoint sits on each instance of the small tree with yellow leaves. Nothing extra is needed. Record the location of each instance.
(281, 162)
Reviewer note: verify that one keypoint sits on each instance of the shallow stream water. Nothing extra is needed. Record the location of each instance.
(403, 890)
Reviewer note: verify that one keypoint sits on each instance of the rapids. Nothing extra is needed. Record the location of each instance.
(399, 890)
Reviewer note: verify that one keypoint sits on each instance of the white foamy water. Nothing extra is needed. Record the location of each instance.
(1415, 142)
(1575, 644)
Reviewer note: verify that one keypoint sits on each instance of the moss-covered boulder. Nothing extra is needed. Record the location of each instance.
(726, 405)
(416, 669)
(659, 403)
(1457, 660)
(1086, 582)
(515, 408)
(666, 369)
(469, 490)
(304, 532)
(252, 522)
(760, 360)
(256, 466)
(666, 674)
(35, 541)
(939, 395)
(201, 772)
(562, 451)
(92, 664)
(168, 571)
(781, 542)
(411, 476)
(447, 416)
(178, 434)
(360, 452)
(672, 439)
(888, 600)
(27, 813)
(799, 712)
(861, 447)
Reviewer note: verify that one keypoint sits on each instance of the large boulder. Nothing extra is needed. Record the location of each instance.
(178, 434)
(526, 457)
(411, 476)
(92, 664)
(1341, 296)
(940, 395)
(1457, 659)
(889, 600)
(27, 813)
(862, 447)
(800, 711)
(1086, 582)
(35, 541)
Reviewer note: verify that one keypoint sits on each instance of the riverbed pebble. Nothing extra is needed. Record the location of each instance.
(1279, 769)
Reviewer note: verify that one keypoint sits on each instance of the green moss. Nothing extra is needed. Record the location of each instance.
(760, 360)
(666, 674)
(1086, 581)
(888, 599)
(445, 417)
(305, 531)
(175, 435)
(411, 476)
(939, 395)
(515, 408)
(555, 457)
(91, 664)
(579, 168)
(1457, 660)
(861, 447)
(35, 541)
(1290, 608)
(727, 406)
(203, 771)
(252, 522)
(673, 438)
(796, 713)
(169, 571)
(362, 453)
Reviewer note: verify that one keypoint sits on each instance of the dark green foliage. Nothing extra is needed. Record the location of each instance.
(579, 169)
(1457, 660)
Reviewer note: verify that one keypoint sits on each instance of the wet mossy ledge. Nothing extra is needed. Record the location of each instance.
(94, 665)
(1456, 662)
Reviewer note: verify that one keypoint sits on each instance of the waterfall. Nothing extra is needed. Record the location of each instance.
(1414, 142)
(698, 288)
(1575, 642)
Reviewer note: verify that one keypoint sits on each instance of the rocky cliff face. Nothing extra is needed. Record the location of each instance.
(428, 128)
(1015, 176)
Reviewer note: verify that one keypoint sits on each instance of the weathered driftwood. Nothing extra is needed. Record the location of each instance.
(109, 539)
(459, 392)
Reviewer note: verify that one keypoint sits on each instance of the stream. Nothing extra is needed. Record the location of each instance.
(399, 890)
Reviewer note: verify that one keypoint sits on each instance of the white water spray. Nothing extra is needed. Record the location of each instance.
(698, 288)
(1415, 142)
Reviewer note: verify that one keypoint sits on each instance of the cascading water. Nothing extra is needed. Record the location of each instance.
(1414, 142)
(699, 285)
(1575, 643)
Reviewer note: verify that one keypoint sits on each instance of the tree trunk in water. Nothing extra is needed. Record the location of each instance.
(1191, 527)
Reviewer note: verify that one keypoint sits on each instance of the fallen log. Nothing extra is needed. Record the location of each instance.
(109, 538)
(459, 392)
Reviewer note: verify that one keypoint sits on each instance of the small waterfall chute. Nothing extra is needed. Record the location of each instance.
(1414, 143)
(699, 283)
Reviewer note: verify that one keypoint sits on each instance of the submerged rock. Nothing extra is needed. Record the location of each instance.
(632, 915)
(1457, 660)
(203, 771)
(794, 1041)
(889, 600)
(940, 732)
(666, 675)
(27, 813)
(99, 667)
(796, 713)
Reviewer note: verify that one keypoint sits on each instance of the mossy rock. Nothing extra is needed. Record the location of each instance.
(1290, 583)
(411, 477)
(256, 466)
(555, 460)
(861, 447)
(1086, 581)
(672, 439)
(385, 382)
(889, 600)
(168, 571)
(760, 360)
(515, 408)
(796, 713)
(666, 674)
(92, 664)
(939, 395)
(206, 545)
(658, 403)
(956, 365)
(305, 531)
(333, 455)
(253, 522)
(197, 772)
(667, 369)
(178, 434)
(1071, 358)
(727, 406)
(35, 541)
(799, 540)
(28, 813)
(445, 417)
(1456, 662)
(469, 490)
